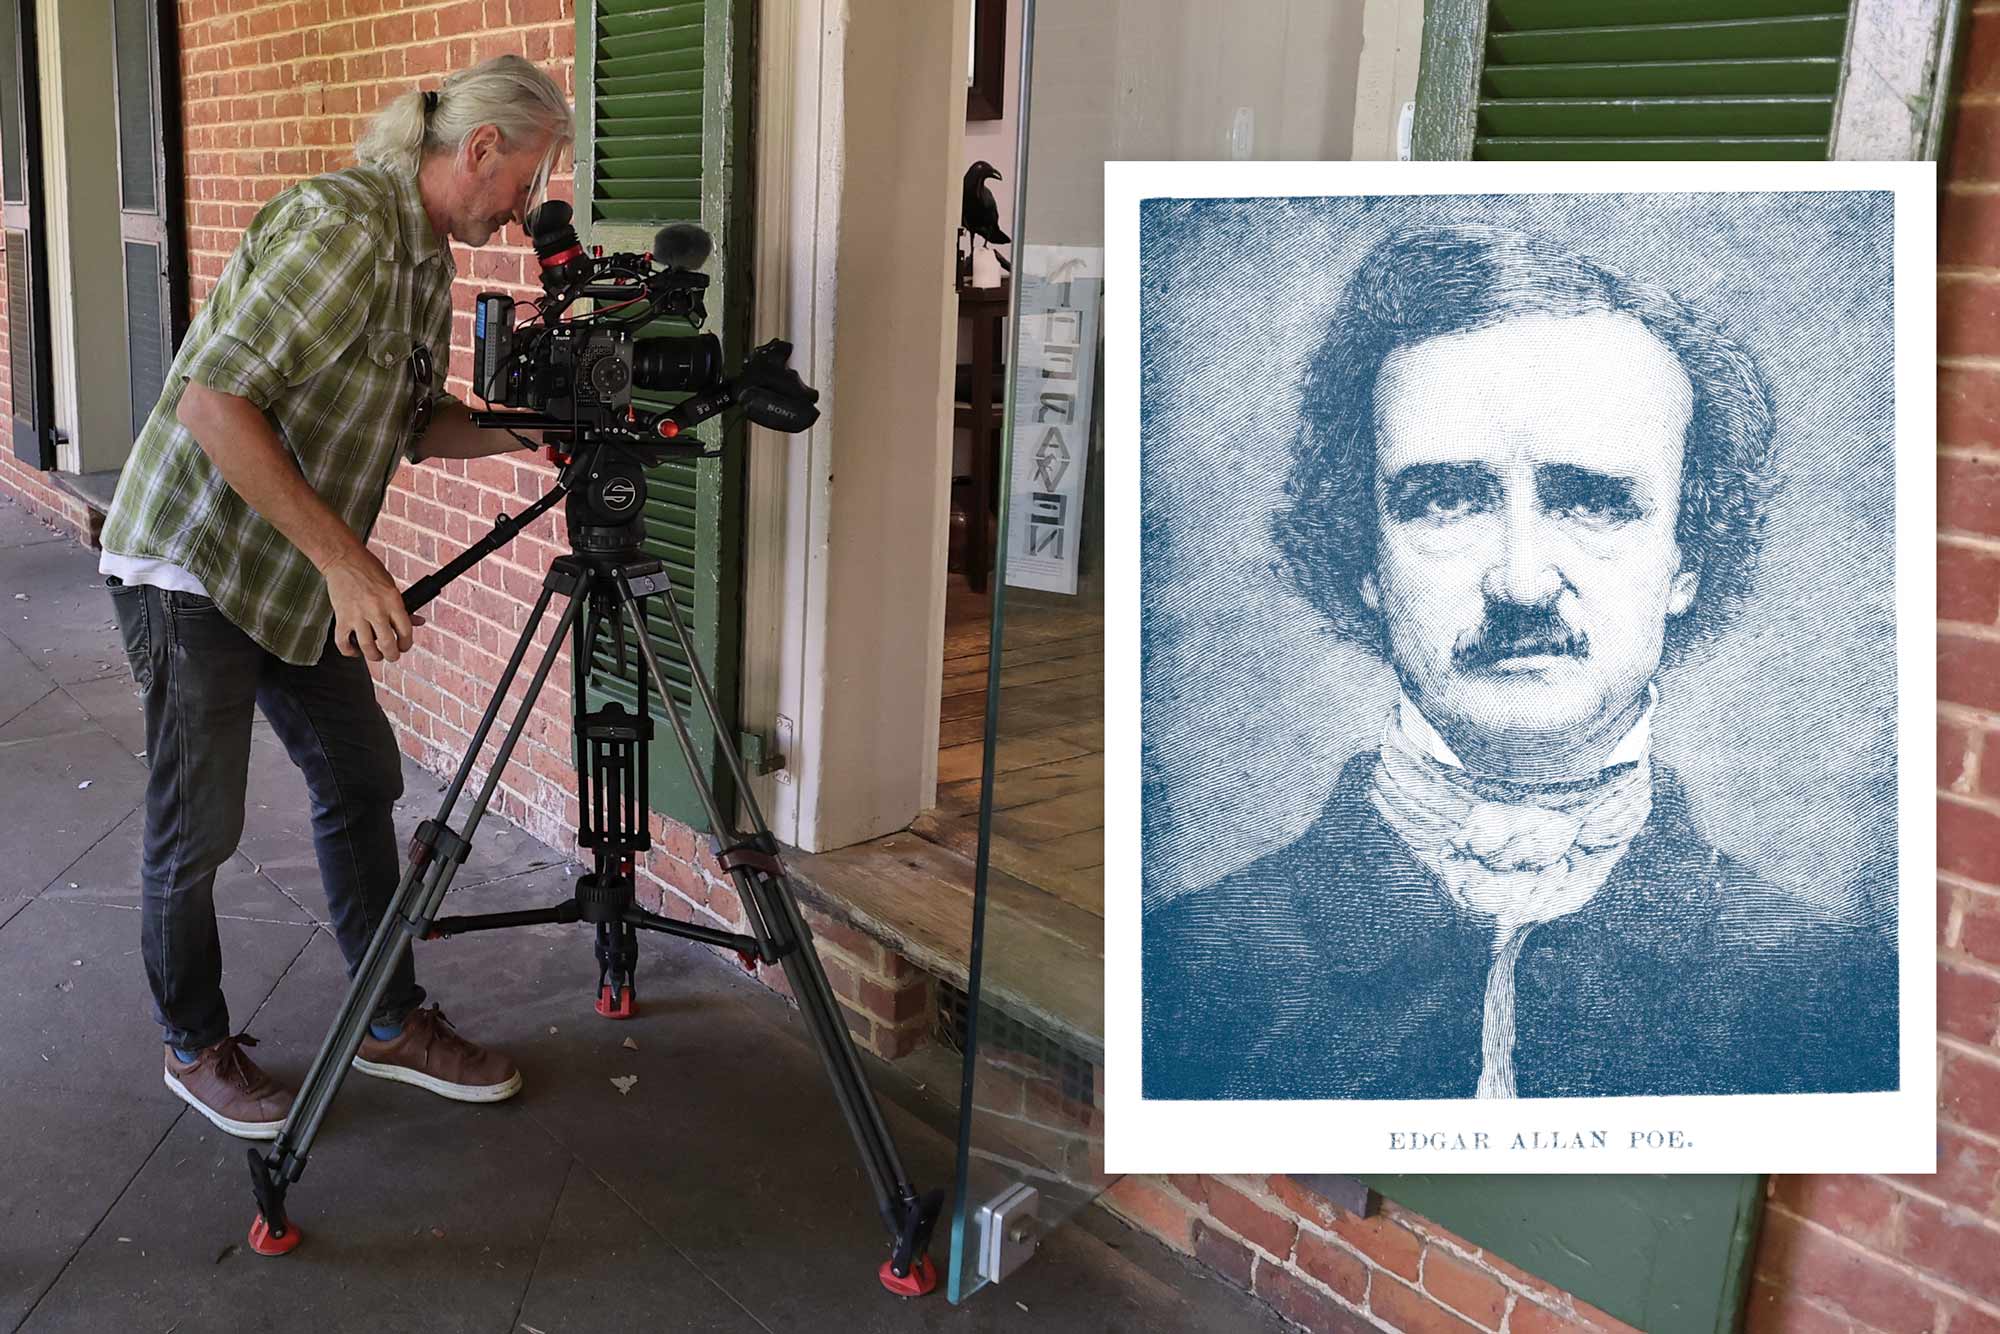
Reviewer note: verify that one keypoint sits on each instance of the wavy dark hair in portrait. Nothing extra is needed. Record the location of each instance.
(1423, 283)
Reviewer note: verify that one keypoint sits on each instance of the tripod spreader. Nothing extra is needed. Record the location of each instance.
(564, 913)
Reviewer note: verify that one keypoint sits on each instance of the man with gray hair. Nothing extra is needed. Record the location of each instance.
(236, 554)
(1528, 482)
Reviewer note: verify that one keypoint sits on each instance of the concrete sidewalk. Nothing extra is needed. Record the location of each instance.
(720, 1193)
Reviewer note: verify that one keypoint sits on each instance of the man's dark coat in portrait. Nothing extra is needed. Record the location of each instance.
(1338, 967)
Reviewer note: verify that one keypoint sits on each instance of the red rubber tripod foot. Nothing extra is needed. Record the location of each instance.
(923, 1278)
(262, 1242)
(621, 1009)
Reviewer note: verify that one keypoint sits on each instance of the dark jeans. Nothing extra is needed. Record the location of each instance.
(201, 676)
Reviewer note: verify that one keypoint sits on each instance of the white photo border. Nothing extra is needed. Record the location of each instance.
(1891, 1132)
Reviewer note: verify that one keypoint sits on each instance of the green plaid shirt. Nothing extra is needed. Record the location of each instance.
(315, 319)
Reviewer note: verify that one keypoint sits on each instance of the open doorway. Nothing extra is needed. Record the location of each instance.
(981, 297)
(1048, 760)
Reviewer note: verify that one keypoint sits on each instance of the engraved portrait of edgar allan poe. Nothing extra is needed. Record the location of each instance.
(1528, 483)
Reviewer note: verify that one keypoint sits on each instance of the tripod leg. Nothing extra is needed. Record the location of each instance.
(782, 907)
(617, 962)
(760, 882)
(436, 855)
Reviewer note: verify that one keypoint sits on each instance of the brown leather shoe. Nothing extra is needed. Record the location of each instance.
(431, 1054)
(226, 1086)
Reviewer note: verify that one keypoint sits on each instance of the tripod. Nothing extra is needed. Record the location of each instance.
(608, 578)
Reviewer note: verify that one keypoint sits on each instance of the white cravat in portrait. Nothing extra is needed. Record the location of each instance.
(1520, 853)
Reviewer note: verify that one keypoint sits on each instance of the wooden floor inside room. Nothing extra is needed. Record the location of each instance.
(913, 890)
(1048, 779)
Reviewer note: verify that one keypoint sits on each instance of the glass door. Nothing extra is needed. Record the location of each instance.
(1031, 1148)
(1101, 80)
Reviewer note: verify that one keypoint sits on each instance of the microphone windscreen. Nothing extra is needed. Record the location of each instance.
(681, 245)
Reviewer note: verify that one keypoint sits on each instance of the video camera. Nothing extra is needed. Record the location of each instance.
(577, 375)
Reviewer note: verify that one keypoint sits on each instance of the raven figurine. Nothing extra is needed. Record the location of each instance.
(980, 212)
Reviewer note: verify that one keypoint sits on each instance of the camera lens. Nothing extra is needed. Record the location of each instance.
(672, 364)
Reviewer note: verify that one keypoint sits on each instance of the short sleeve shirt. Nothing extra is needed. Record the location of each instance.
(316, 320)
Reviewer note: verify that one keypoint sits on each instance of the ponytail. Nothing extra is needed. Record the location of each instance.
(506, 91)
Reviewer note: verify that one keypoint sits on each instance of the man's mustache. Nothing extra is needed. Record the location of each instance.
(1518, 630)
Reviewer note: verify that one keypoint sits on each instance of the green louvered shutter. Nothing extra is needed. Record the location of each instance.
(663, 114)
(1629, 79)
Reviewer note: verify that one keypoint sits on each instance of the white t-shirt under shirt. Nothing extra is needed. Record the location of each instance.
(147, 570)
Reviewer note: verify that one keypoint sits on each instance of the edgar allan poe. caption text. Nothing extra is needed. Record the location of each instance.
(1535, 1140)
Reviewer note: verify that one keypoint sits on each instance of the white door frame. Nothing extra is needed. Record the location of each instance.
(844, 567)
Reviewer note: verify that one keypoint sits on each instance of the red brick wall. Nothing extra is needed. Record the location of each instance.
(1327, 1270)
(890, 1004)
(30, 486)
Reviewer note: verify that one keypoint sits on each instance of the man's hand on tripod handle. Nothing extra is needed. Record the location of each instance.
(368, 616)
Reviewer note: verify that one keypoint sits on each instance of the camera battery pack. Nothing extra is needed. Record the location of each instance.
(492, 344)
